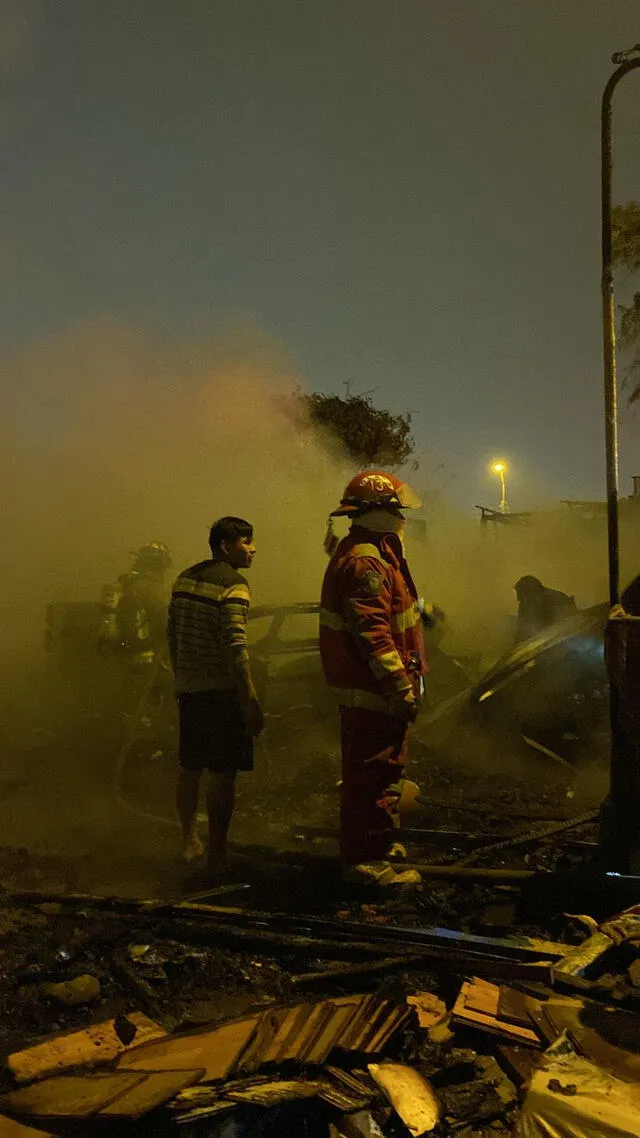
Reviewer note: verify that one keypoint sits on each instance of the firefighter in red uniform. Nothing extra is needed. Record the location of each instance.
(373, 657)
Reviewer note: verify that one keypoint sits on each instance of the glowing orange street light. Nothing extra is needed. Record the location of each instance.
(499, 467)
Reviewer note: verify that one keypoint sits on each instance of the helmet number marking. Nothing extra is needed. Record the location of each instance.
(377, 482)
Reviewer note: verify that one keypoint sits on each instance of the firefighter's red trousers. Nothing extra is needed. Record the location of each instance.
(373, 759)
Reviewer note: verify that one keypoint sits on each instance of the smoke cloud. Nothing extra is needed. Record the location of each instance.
(112, 441)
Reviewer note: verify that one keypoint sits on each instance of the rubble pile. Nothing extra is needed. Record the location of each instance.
(195, 1018)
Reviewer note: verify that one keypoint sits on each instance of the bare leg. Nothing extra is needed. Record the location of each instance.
(220, 803)
(187, 802)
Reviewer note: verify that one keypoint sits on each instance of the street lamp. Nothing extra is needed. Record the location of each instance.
(499, 467)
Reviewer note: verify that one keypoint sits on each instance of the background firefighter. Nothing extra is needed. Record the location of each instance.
(373, 656)
(133, 612)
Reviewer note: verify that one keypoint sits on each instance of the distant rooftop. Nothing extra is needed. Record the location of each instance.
(489, 515)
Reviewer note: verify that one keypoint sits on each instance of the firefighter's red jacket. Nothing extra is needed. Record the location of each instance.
(371, 641)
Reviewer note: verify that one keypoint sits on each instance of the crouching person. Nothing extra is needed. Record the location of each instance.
(218, 709)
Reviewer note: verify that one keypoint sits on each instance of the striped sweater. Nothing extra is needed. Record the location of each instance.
(206, 628)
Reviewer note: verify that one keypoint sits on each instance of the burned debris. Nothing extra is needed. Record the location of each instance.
(233, 1021)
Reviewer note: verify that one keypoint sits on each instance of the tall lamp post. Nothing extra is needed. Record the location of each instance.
(627, 61)
(499, 467)
(620, 839)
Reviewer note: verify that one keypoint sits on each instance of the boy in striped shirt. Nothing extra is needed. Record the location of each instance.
(218, 709)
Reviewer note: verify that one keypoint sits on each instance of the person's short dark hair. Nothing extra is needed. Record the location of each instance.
(228, 529)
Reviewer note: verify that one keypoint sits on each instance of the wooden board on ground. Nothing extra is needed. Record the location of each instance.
(70, 1096)
(293, 1025)
(273, 1093)
(463, 1012)
(379, 1014)
(321, 1039)
(392, 1024)
(204, 1094)
(354, 1028)
(336, 1095)
(519, 1062)
(307, 1033)
(430, 1009)
(285, 1032)
(216, 1051)
(152, 1091)
(96, 1044)
(261, 1041)
(542, 1023)
(328, 1034)
(359, 1082)
(318, 1019)
(513, 1006)
(483, 997)
(333, 1032)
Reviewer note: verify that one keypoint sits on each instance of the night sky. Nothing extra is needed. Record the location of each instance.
(404, 194)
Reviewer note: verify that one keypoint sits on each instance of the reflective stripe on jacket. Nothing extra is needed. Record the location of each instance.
(371, 641)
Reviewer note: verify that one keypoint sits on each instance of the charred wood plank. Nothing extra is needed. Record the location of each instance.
(459, 959)
(254, 938)
(344, 972)
(341, 938)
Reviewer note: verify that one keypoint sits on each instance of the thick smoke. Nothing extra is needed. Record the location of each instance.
(470, 570)
(111, 440)
(115, 441)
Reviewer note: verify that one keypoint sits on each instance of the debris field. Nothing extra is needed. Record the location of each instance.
(220, 1014)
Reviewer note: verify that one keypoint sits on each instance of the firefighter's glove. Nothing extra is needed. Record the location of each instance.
(403, 706)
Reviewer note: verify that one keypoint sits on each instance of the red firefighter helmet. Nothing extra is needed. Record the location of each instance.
(376, 489)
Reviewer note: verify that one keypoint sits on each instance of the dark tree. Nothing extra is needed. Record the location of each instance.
(369, 435)
(625, 221)
(626, 254)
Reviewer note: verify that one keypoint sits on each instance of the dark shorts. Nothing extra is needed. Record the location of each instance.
(213, 732)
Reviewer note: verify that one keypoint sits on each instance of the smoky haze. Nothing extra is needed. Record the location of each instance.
(470, 570)
(112, 440)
